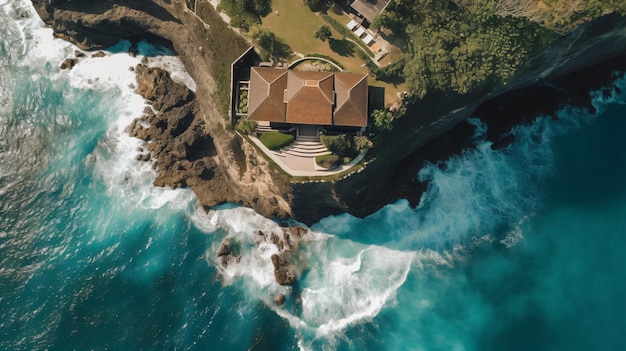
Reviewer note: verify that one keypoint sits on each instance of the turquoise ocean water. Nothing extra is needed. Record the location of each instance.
(518, 249)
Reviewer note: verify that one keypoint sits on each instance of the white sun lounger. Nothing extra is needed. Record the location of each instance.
(352, 24)
(359, 31)
(368, 39)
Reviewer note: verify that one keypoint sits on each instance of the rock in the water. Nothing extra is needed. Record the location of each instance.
(227, 259)
(276, 241)
(79, 54)
(143, 157)
(280, 300)
(298, 231)
(283, 270)
(224, 249)
(99, 54)
(69, 63)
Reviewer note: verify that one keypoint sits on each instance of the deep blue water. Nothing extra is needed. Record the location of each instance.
(518, 249)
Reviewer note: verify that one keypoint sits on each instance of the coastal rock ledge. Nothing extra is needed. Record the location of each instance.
(178, 142)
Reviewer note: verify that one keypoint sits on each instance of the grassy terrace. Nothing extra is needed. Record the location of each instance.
(293, 22)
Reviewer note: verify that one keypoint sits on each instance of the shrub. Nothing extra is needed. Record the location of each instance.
(276, 140)
(328, 161)
(243, 102)
(245, 126)
(362, 143)
(339, 144)
(382, 120)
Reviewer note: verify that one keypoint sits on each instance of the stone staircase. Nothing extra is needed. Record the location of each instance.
(305, 146)
(263, 127)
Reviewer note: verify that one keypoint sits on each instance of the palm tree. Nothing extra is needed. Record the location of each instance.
(323, 33)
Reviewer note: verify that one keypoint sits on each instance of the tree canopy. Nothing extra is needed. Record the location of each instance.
(270, 45)
(246, 13)
(323, 33)
(459, 46)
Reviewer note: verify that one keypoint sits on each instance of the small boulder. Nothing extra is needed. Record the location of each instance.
(283, 270)
(280, 300)
(143, 157)
(69, 63)
(224, 249)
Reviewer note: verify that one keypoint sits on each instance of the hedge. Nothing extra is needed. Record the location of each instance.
(341, 145)
(328, 161)
(276, 140)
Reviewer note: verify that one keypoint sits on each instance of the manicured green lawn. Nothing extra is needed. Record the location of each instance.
(292, 21)
(276, 140)
(328, 161)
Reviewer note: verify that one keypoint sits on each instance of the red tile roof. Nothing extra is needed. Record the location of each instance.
(304, 97)
(265, 102)
(351, 105)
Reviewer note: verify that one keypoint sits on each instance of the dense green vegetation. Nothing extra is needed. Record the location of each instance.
(316, 5)
(558, 15)
(341, 145)
(328, 161)
(382, 119)
(243, 102)
(458, 46)
(344, 145)
(276, 140)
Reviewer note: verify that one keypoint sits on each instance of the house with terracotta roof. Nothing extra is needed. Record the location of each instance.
(306, 97)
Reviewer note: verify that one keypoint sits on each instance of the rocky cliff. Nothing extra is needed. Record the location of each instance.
(231, 170)
(189, 139)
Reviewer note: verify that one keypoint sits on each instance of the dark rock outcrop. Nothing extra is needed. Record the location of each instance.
(287, 264)
(69, 63)
(225, 248)
(179, 143)
(283, 270)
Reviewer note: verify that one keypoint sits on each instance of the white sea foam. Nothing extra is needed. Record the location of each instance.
(175, 68)
(37, 43)
(130, 179)
(346, 282)
(126, 178)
